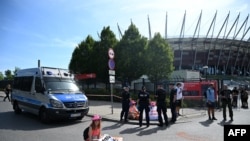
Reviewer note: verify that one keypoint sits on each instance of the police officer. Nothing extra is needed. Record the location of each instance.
(143, 101)
(160, 95)
(125, 103)
(172, 101)
(226, 99)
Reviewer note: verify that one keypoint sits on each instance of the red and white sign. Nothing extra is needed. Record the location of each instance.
(111, 53)
(85, 76)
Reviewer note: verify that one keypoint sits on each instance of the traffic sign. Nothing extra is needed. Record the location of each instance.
(111, 72)
(112, 79)
(111, 53)
(111, 64)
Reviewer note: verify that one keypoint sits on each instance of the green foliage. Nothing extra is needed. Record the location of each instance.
(8, 75)
(134, 56)
(130, 54)
(1, 76)
(160, 59)
(108, 40)
(92, 56)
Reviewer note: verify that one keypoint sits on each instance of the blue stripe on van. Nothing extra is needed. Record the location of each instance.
(27, 100)
(70, 97)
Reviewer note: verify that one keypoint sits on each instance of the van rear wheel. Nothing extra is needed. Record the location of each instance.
(16, 108)
(43, 115)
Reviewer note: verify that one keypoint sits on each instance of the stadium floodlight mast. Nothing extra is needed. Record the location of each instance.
(205, 68)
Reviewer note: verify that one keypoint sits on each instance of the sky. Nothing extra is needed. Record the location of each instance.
(50, 30)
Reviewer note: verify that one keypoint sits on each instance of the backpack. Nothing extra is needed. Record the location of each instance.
(86, 133)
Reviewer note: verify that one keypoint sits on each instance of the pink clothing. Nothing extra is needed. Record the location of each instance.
(95, 133)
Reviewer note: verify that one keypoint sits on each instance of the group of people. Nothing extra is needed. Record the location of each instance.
(130, 110)
(241, 94)
(225, 95)
(228, 99)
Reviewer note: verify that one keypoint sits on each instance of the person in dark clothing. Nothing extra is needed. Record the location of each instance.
(125, 104)
(7, 92)
(172, 102)
(160, 95)
(226, 100)
(144, 102)
(235, 97)
(244, 99)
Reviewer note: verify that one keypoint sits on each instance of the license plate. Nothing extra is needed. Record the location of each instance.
(75, 115)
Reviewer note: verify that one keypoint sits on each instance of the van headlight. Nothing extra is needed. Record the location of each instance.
(56, 104)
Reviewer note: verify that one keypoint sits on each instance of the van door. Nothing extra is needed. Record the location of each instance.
(37, 95)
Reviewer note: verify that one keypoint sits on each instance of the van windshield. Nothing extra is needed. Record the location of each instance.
(60, 84)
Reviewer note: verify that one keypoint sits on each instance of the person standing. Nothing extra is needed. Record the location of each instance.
(125, 104)
(235, 97)
(244, 98)
(173, 102)
(144, 102)
(7, 92)
(210, 95)
(179, 98)
(226, 100)
(160, 95)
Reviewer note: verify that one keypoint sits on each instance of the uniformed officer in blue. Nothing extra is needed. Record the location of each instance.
(144, 102)
(160, 95)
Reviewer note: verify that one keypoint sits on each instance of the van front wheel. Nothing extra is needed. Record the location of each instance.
(43, 115)
(16, 108)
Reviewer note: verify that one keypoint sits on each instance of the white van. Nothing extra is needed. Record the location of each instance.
(50, 93)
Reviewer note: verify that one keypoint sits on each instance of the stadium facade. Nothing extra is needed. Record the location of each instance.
(216, 53)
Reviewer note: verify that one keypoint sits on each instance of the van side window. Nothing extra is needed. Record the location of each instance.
(23, 83)
(38, 85)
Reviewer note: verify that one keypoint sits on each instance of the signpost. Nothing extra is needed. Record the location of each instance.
(111, 64)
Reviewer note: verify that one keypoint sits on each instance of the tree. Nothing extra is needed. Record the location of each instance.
(1, 76)
(8, 75)
(81, 57)
(160, 59)
(130, 54)
(100, 53)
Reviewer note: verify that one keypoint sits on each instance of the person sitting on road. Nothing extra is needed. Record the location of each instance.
(133, 111)
(94, 128)
(153, 114)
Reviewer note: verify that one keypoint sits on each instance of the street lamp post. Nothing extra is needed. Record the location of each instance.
(205, 68)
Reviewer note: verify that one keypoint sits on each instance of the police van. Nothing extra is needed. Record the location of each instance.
(49, 93)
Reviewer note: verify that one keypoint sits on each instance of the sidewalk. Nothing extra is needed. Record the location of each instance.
(111, 111)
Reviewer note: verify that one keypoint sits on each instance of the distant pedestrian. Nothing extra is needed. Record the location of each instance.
(7, 91)
(210, 98)
(235, 93)
(144, 103)
(172, 102)
(161, 95)
(179, 97)
(244, 99)
(125, 104)
(226, 100)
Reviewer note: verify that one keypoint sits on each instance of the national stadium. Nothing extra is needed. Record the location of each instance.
(222, 52)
